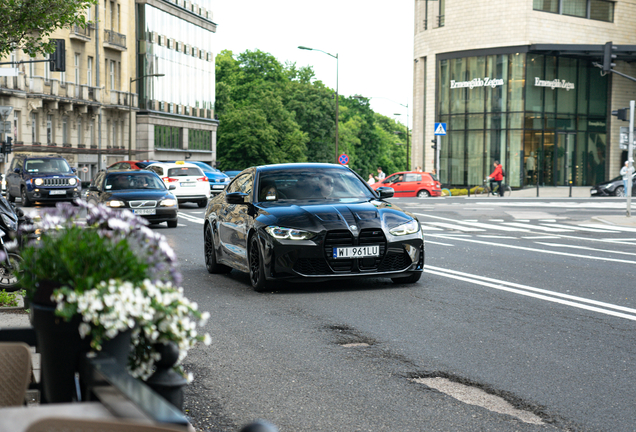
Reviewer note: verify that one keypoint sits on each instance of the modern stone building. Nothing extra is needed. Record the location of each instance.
(88, 112)
(514, 81)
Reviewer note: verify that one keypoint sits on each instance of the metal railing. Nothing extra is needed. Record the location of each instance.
(114, 38)
(86, 32)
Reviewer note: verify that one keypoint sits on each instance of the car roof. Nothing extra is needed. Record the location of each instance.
(276, 167)
(128, 171)
(174, 164)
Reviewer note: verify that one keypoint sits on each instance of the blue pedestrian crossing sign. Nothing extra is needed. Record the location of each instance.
(440, 128)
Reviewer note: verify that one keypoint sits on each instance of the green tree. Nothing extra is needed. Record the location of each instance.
(27, 24)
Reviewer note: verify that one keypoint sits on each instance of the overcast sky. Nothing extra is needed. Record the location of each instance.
(373, 40)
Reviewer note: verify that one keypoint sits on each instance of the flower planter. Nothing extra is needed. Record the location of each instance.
(61, 349)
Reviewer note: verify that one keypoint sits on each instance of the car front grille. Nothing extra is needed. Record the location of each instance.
(338, 239)
(311, 266)
(55, 182)
(143, 204)
(395, 261)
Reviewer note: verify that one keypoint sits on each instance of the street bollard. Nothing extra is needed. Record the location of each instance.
(165, 381)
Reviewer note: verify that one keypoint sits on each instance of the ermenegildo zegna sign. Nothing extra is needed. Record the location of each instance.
(555, 83)
(477, 82)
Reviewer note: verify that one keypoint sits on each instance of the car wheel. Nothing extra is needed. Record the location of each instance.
(619, 192)
(408, 279)
(9, 276)
(210, 254)
(26, 202)
(172, 224)
(202, 203)
(423, 194)
(10, 197)
(257, 272)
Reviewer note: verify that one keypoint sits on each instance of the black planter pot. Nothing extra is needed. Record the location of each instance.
(61, 349)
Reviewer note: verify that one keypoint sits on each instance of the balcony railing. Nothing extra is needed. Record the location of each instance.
(114, 40)
(80, 33)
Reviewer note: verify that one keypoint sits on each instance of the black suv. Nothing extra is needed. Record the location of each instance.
(42, 178)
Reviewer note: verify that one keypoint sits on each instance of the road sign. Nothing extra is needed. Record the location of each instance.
(343, 159)
(5, 127)
(624, 138)
(5, 111)
(440, 128)
(8, 71)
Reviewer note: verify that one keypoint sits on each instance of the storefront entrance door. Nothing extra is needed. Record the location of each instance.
(564, 158)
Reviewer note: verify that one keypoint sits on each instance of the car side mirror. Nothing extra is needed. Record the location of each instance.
(172, 187)
(16, 170)
(73, 169)
(236, 198)
(385, 192)
(93, 188)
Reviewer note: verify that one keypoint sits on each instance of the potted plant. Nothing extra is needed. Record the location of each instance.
(99, 279)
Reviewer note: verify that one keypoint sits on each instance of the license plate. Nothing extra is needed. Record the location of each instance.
(356, 252)
(187, 184)
(57, 192)
(144, 211)
(218, 186)
(593, 191)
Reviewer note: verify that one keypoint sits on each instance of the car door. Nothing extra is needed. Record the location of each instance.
(13, 178)
(96, 188)
(412, 185)
(234, 223)
(396, 181)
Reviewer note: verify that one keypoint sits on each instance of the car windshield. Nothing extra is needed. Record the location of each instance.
(56, 166)
(133, 181)
(207, 167)
(184, 171)
(310, 184)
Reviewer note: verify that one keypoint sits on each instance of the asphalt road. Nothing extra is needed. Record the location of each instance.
(529, 300)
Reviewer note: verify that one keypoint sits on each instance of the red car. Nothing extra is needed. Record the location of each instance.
(136, 165)
(412, 184)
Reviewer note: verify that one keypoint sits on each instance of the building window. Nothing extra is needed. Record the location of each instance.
(199, 140)
(600, 10)
(442, 9)
(49, 129)
(47, 68)
(34, 127)
(64, 130)
(80, 131)
(91, 134)
(111, 72)
(167, 137)
(16, 122)
(89, 72)
(77, 68)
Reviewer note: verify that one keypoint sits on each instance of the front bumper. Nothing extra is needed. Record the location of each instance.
(162, 214)
(217, 188)
(53, 194)
(599, 192)
(312, 260)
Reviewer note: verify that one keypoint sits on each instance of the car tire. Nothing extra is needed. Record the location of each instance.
(26, 202)
(210, 254)
(10, 197)
(257, 271)
(408, 279)
(9, 278)
(172, 224)
(619, 192)
(202, 203)
(423, 194)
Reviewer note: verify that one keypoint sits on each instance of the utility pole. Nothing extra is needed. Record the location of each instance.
(630, 159)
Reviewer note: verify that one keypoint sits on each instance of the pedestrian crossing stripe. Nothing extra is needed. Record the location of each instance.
(440, 129)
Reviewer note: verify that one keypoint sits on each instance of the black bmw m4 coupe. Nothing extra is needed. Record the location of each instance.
(310, 222)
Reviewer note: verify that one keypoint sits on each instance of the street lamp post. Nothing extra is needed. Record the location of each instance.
(337, 101)
(132, 80)
(408, 151)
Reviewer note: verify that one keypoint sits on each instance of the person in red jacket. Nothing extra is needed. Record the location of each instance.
(496, 177)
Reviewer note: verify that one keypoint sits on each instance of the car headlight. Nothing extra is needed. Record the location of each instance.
(411, 227)
(168, 203)
(38, 182)
(288, 233)
(72, 181)
(115, 203)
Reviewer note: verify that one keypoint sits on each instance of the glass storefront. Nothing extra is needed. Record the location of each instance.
(543, 117)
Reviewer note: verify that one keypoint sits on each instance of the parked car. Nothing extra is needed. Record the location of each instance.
(218, 180)
(613, 187)
(191, 184)
(140, 191)
(231, 173)
(310, 222)
(43, 179)
(139, 164)
(411, 184)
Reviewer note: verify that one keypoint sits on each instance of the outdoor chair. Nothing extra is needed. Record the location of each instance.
(15, 363)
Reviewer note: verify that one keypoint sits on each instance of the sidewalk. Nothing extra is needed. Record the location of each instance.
(553, 192)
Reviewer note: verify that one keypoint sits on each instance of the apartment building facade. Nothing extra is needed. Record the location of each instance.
(516, 82)
(88, 112)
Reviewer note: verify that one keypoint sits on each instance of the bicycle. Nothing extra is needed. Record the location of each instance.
(485, 189)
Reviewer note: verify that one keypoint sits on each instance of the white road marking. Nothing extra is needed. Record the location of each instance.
(496, 236)
(540, 228)
(455, 227)
(610, 227)
(580, 228)
(439, 243)
(539, 250)
(538, 293)
(495, 227)
(191, 218)
(430, 228)
(540, 237)
(585, 248)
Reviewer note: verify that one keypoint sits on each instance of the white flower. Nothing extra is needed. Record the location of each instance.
(207, 340)
(84, 329)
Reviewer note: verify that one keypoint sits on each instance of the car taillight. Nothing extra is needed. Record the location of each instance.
(203, 179)
(169, 179)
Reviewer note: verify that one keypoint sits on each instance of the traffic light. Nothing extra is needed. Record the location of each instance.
(58, 58)
(434, 146)
(621, 113)
(7, 147)
(608, 57)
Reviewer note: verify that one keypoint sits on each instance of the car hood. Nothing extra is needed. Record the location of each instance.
(136, 194)
(334, 215)
(216, 176)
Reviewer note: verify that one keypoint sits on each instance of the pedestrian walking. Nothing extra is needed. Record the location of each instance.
(626, 172)
(381, 176)
(496, 177)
